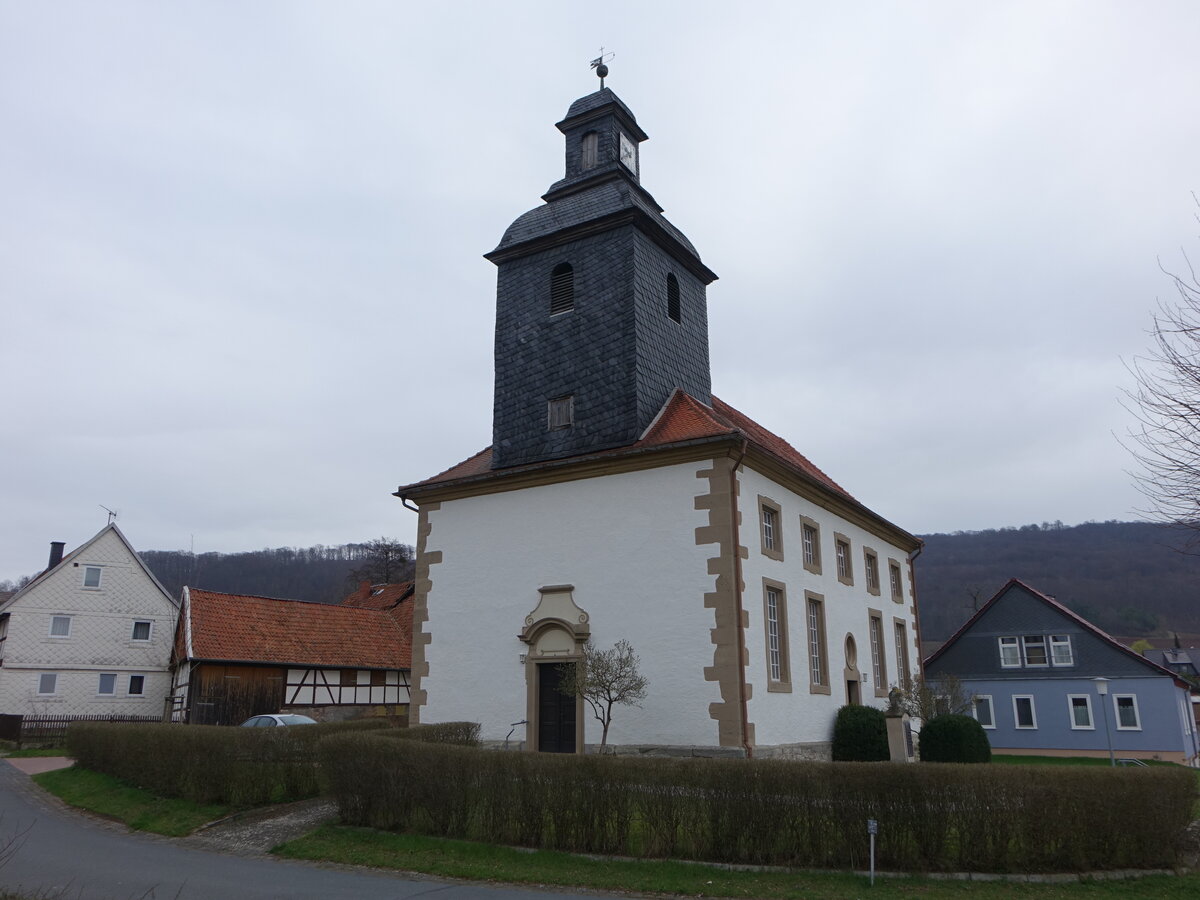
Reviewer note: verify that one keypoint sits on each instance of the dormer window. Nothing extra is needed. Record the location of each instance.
(562, 289)
(589, 150)
(673, 309)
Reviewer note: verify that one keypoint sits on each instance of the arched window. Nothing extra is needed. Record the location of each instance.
(562, 289)
(588, 150)
(673, 298)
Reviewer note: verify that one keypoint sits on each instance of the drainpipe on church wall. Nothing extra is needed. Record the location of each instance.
(737, 593)
(912, 586)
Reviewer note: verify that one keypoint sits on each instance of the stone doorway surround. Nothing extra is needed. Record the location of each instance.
(555, 631)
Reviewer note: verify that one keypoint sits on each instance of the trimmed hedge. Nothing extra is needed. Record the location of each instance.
(210, 763)
(860, 735)
(465, 734)
(954, 739)
(769, 812)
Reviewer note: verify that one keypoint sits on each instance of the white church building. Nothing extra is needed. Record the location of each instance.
(620, 499)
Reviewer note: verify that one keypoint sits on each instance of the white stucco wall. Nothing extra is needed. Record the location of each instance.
(100, 639)
(801, 716)
(627, 544)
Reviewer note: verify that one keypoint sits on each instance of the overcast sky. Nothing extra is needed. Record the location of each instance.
(240, 244)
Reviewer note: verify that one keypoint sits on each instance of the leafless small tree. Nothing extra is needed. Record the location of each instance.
(925, 698)
(1166, 403)
(604, 679)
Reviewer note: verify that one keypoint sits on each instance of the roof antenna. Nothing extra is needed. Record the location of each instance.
(112, 513)
(599, 65)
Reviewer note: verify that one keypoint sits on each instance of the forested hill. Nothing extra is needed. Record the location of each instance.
(320, 574)
(1128, 578)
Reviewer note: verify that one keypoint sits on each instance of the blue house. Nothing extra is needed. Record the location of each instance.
(1046, 682)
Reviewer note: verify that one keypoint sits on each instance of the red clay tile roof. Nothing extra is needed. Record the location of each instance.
(683, 418)
(242, 628)
(378, 596)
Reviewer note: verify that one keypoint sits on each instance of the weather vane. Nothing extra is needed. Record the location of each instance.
(599, 65)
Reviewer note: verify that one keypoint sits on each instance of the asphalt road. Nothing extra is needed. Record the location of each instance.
(88, 859)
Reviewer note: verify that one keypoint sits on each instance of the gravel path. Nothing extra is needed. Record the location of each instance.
(256, 832)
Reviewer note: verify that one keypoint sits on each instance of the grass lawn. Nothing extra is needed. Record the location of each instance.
(138, 809)
(36, 751)
(1006, 760)
(484, 862)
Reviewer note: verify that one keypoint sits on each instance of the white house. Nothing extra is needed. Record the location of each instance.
(91, 635)
(621, 500)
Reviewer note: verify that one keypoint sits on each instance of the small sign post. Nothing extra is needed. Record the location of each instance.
(872, 830)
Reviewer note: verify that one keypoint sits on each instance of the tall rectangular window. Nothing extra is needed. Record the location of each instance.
(897, 582)
(775, 613)
(810, 539)
(588, 147)
(878, 660)
(1023, 712)
(770, 528)
(871, 571)
(818, 669)
(841, 550)
(984, 715)
(1127, 712)
(902, 673)
(1080, 706)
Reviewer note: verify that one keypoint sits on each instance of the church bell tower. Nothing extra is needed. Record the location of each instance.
(600, 302)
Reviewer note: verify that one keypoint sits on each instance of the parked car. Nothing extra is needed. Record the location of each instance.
(275, 720)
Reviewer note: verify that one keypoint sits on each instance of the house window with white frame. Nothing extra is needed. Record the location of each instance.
(1060, 650)
(137, 685)
(91, 577)
(1034, 648)
(1024, 713)
(1010, 653)
(1127, 712)
(108, 685)
(981, 706)
(47, 684)
(60, 626)
(1081, 712)
(141, 631)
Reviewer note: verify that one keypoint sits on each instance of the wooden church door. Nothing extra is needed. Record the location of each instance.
(556, 713)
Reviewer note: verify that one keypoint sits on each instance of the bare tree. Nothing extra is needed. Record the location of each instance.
(604, 679)
(1166, 403)
(384, 561)
(925, 698)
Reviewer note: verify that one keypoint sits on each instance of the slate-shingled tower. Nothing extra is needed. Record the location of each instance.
(600, 302)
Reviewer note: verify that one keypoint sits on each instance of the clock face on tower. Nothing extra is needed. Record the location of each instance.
(628, 154)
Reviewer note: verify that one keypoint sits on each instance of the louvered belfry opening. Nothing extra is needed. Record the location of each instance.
(673, 298)
(562, 289)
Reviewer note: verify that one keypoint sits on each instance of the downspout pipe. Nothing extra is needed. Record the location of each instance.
(735, 513)
(912, 575)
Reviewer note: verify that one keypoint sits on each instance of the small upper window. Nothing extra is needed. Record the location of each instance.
(588, 150)
(1034, 646)
(60, 626)
(871, 567)
(91, 577)
(141, 631)
(841, 552)
(1060, 650)
(673, 309)
(1010, 653)
(560, 412)
(562, 289)
(897, 582)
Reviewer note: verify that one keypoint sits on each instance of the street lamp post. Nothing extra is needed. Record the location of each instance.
(1102, 690)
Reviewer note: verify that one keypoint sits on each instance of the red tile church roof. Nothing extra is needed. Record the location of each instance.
(683, 419)
(244, 628)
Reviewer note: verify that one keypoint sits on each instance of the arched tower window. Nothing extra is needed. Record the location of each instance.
(562, 289)
(588, 150)
(673, 298)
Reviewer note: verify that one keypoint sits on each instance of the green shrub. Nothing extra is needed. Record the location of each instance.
(465, 734)
(860, 735)
(954, 739)
(210, 763)
(768, 812)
